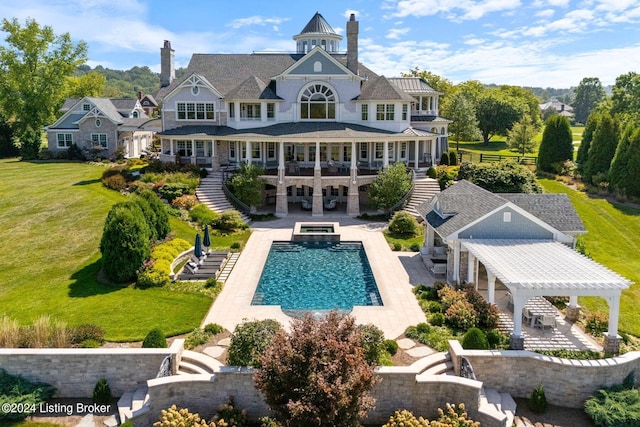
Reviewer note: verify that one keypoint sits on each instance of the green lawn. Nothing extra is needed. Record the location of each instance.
(613, 239)
(51, 220)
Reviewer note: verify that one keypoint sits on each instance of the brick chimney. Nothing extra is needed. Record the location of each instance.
(167, 69)
(352, 44)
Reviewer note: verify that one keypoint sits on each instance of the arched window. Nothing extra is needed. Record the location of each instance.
(135, 114)
(318, 102)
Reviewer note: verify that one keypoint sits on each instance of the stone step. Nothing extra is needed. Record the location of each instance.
(500, 404)
(190, 368)
(124, 406)
(206, 363)
(425, 363)
(440, 368)
(139, 398)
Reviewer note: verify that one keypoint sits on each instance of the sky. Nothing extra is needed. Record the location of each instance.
(539, 43)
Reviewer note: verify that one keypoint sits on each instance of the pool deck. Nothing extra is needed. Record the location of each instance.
(395, 272)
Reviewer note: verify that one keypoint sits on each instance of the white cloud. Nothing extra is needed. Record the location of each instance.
(255, 20)
(546, 13)
(395, 33)
(458, 11)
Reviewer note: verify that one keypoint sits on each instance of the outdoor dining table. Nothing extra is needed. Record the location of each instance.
(538, 307)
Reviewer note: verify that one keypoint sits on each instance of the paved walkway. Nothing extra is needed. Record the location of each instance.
(395, 276)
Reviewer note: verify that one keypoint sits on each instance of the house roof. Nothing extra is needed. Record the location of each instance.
(291, 130)
(464, 202)
(124, 105)
(413, 85)
(252, 88)
(318, 25)
(425, 118)
(418, 132)
(545, 266)
(554, 209)
(68, 104)
(107, 108)
(381, 89)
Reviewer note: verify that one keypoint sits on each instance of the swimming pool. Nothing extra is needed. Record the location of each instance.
(317, 276)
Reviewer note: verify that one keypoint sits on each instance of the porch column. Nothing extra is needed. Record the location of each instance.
(171, 147)
(317, 208)
(491, 287)
(354, 163)
(385, 157)
(517, 339)
(353, 196)
(249, 154)
(415, 149)
(573, 309)
(429, 238)
(456, 262)
(193, 152)
(612, 340)
(471, 263)
(282, 205)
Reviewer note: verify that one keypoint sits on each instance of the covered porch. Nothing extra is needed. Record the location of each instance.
(531, 269)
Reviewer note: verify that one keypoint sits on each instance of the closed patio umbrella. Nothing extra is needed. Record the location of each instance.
(197, 250)
(206, 240)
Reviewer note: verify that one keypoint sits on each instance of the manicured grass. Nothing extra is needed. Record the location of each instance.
(406, 242)
(613, 239)
(51, 221)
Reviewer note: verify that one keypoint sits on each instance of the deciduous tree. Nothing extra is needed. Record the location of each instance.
(90, 84)
(34, 66)
(496, 113)
(626, 94)
(557, 144)
(317, 374)
(589, 93)
(461, 110)
(390, 186)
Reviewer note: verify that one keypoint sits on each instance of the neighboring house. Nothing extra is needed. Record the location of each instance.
(316, 110)
(561, 108)
(102, 124)
(524, 240)
(149, 104)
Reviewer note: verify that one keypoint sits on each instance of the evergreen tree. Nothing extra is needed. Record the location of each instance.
(521, 136)
(624, 174)
(602, 149)
(557, 144)
(125, 242)
(160, 218)
(587, 137)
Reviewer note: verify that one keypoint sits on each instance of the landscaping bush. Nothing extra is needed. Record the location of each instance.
(14, 389)
(453, 158)
(404, 224)
(453, 417)
(157, 272)
(81, 333)
(195, 338)
(202, 215)
(436, 319)
(90, 344)
(235, 246)
(160, 218)
(415, 247)
(174, 416)
(406, 418)
(461, 315)
(213, 286)
(496, 339)
(572, 354)
(448, 296)
(372, 342)
(616, 406)
(596, 323)
(487, 314)
(75, 153)
(249, 340)
(247, 184)
(446, 175)
(102, 392)
(173, 190)
(390, 186)
(155, 339)
(213, 329)
(229, 221)
(502, 177)
(423, 328)
(538, 401)
(186, 201)
(397, 247)
(426, 292)
(433, 306)
(230, 415)
(115, 182)
(391, 346)
(475, 339)
(431, 172)
(444, 159)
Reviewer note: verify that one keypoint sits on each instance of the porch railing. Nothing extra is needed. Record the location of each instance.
(237, 203)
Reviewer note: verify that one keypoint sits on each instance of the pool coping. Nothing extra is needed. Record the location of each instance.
(400, 308)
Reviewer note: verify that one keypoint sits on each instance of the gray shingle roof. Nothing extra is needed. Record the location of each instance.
(381, 89)
(68, 104)
(70, 121)
(124, 105)
(252, 88)
(318, 25)
(554, 209)
(291, 130)
(413, 85)
(108, 109)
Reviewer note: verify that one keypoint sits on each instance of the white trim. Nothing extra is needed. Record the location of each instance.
(348, 74)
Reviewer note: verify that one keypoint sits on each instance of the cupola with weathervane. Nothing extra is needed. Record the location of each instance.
(318, 32)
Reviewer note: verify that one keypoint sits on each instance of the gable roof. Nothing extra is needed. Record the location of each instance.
(318, 25)
(124, 105)
(554, 209)
(413, 85)
(381, 89)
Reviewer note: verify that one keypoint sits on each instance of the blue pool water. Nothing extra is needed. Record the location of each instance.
(317, 276)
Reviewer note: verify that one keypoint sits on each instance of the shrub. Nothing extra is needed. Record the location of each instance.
(249, 341)
(391, 346)
(415, 247)
(454, 417)
(230, 415)
(317, 374)
(229, 221)
(9, 332)
(405, 224)
(502, 177)
(436, 319)
(247, 184)
(426, 292)
(475, 339)
(397, 246)
(434, 307)
(160, 218)
(125, 242)
(175, 416)
(213, 286)
(572, 354)
(423, 328)
(14, 389)
(538, 401)
(236, 246)
(448, 296)
(48, 332)
(90, 344)
(202, 215)
(372, 342)
(488, 314)
(446, 175)
(390, 186)
(406, 418)
(557, 143)
(618, 405)
(213, 329)
(496, 339)
(155, 339)
(431, 172)
(75, 153)
(596, 323)
(81, 333)
(195, 338)
(115, 182)
(173, 190)
(461, 315)
(148, 277)
(102, 392)
(453, 158)
(186, 201)
(444, 159)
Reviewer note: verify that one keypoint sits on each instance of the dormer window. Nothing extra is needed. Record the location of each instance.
(318, 102)
(86, 107)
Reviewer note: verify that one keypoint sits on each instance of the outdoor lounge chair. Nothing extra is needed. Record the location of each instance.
(439, 269)
(306, 204)
(330, 203)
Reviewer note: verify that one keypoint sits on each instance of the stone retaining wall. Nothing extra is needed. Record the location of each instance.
(74, 372)
(566, 382)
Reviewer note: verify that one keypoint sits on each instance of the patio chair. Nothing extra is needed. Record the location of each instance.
(330, 203)
(546, 321)
(306, 204)
(526, 315)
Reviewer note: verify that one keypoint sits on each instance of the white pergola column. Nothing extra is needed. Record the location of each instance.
(614, 312)
(471, 263)
(385, 158)
(518, 304)
(573, 301)
(249, 154)
(491, 288)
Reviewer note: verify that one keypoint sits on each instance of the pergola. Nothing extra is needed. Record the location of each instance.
(531, 268)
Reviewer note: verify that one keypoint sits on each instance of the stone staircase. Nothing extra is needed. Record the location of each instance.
(192, 362)
(425, 188)
(434, 364)
(131, 404)
(210, 193)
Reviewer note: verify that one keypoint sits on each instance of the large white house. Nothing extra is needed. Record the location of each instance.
(317, 120)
